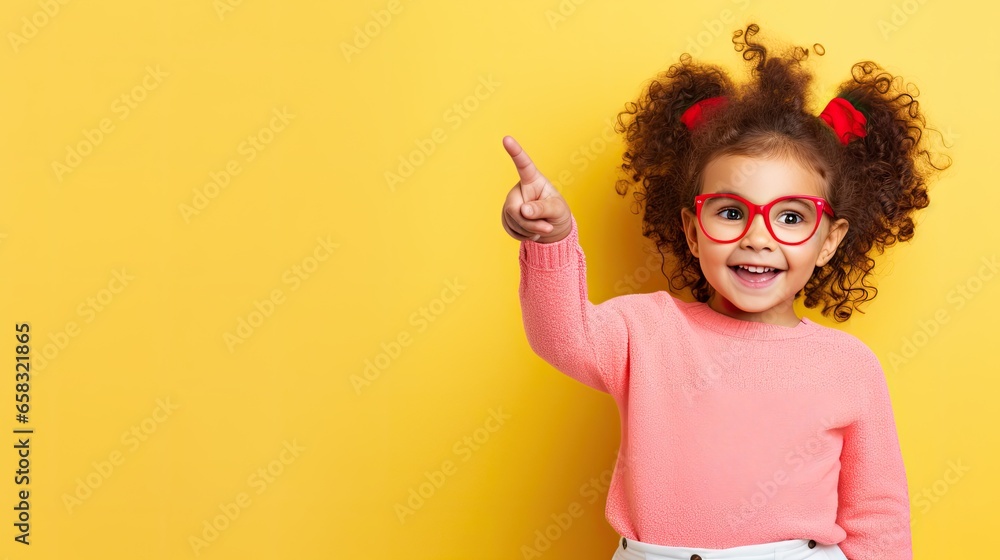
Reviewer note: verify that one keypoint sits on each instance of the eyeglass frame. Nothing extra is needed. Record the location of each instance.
(822, 207)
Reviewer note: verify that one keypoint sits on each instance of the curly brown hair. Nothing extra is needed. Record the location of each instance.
(876, 182)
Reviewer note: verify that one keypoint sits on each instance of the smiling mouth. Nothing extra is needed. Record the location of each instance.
(755, 269)
(753, 274)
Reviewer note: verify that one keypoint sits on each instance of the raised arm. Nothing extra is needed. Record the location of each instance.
(588, 342)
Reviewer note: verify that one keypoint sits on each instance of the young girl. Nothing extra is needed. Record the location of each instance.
(746, 431)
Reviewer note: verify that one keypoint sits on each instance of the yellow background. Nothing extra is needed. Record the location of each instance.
(415, 274)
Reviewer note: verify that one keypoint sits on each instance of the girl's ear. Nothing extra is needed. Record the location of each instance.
(690, 222)
(833, 238)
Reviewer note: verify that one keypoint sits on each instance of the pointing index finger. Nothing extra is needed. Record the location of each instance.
(526, 169)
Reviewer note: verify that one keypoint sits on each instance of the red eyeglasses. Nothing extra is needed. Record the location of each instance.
(791, 220)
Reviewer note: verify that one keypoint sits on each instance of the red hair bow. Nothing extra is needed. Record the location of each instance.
(844, 119)
(695, 114)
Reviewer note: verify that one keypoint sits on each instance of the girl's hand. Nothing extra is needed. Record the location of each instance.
(534, 209)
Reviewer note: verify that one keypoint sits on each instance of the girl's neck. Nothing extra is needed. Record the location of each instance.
(783, 316)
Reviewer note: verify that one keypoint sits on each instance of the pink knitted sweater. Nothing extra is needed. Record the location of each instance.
(732, 432)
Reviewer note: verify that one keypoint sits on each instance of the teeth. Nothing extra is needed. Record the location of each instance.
(757, 269)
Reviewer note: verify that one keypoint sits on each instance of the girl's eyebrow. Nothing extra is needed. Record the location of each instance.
(727, 191)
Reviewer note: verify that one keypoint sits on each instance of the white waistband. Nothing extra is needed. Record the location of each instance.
(794, 549)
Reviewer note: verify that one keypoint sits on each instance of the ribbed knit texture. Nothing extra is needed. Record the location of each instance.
(732, 432)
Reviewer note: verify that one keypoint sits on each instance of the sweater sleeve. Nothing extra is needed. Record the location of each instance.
(588, 342)
(874, 506)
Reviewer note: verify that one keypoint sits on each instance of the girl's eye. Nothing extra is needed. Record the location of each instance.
(731, 214)
(790, 219)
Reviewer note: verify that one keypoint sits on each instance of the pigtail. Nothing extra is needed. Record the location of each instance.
(657, 149)
(884, 184)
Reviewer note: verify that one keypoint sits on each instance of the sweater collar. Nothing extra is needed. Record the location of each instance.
(709, 318)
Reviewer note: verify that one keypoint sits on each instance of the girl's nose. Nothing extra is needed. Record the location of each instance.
(757, 237)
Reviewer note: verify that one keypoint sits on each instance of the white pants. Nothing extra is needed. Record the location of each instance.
(796, 549)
